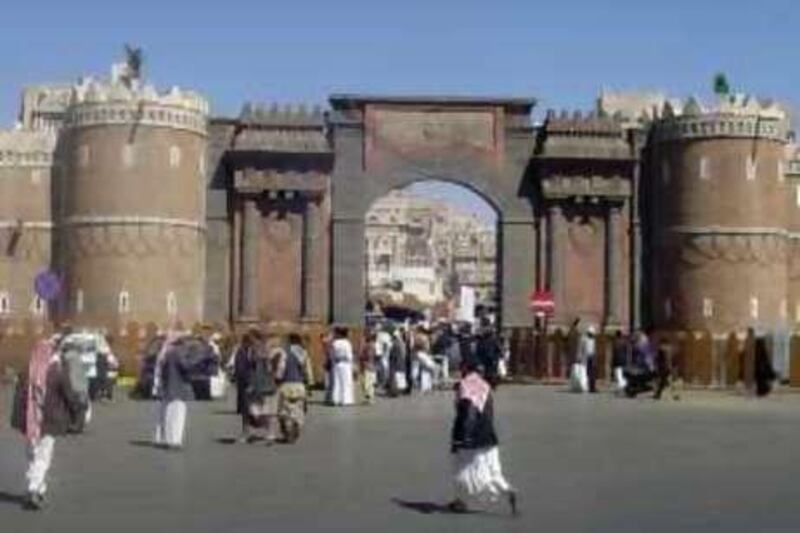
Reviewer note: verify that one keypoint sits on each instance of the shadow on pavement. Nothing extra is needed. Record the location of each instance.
(430, 507)
(13, 499)
(142, 443)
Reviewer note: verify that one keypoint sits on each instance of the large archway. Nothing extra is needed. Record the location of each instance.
(382, 144)
(431, 250)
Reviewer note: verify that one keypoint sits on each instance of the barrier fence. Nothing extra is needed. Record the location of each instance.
(698, 357)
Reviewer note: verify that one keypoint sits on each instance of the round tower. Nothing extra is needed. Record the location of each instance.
(720, 220)
(132, 217)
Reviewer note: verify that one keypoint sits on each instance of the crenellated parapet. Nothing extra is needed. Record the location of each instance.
(282, 128)
(24, 148)
(737, 116)
(100, 102)
(582, 136)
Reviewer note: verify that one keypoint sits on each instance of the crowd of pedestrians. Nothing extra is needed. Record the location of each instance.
(273, 376)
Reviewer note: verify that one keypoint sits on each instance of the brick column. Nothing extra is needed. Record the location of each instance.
(612, 281)
(251, 235)
(311, 224)
(556, 235)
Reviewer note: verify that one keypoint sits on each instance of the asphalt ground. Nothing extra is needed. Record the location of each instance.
(713, 461)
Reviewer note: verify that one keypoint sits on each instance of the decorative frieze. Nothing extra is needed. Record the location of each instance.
(716, 125)
(140, 113)
(560, 187)
(26, 149)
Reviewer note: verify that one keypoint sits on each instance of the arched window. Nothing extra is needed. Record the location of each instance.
(753, 307)
(751, 168)
(79, 301)
(174, 156)
(666, 171)
(5, 303)
(124, 302)
(704, 170)
(708, 307)
(172, 304)
(38, 306)
(83, 156)
(127, 155)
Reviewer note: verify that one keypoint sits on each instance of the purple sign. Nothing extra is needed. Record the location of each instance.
(47, 285)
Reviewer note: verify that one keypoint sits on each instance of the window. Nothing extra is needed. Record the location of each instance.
(124, 303)
(704, 170)
(37, 306)
(174, 157)
(172, 304)
(666, 171)
(781, 171)
(79, 301)
(708, 307)
(753, 307)
(83, 156)
(751, 168)
(127, 156)
(784, 310)
(5, 303)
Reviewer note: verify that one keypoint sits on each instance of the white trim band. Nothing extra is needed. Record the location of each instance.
(134, 221)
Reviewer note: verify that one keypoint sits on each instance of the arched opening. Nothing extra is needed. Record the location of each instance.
(431, 252)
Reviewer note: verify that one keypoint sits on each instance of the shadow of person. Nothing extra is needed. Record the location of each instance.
(144, 443)
(12, 499)
(430, 507)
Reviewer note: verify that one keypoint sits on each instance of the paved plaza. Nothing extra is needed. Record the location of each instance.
(712, 461)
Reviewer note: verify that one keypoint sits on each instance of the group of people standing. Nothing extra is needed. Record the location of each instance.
(272, 376)
(638, 364)
(401, 359)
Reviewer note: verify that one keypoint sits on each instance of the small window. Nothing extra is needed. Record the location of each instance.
(781, 171)
(38, 306)
(704, 171)
(127, 155)
(83, 156)
(784, 311)
(5, 303)
(124, 303)
(666, 171)
(172, 304)
(174, 157)
(751, 168)
(79, 301)
(708, 307)
(753, 307)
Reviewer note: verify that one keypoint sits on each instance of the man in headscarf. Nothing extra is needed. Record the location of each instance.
(474, 444)
(43, 406)
(173, 388)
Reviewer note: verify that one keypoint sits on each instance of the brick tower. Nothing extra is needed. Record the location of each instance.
(718, 209)
(131, 222)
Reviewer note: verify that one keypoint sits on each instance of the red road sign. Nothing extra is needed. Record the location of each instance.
(542, 302)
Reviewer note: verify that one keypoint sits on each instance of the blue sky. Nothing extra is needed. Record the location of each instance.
(562, 52)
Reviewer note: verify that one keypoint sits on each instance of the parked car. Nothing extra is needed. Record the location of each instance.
(205, 367)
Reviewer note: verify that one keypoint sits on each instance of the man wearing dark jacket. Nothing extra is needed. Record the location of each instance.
(44, 406)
